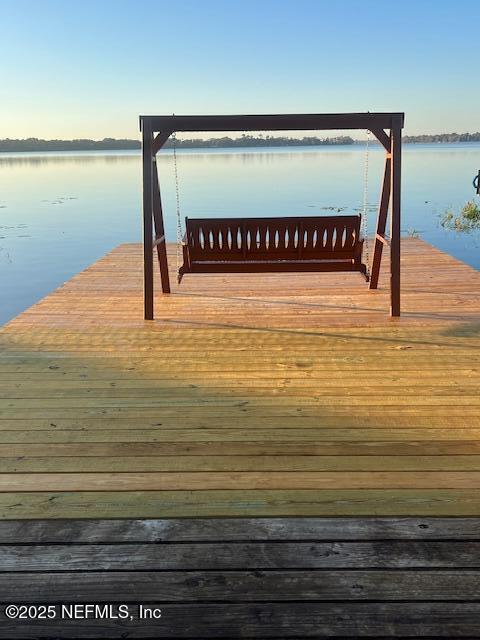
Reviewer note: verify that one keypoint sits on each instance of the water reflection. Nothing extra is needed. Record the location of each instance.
(52, 159)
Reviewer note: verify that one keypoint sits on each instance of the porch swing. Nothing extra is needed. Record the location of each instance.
(273, 244)
(276, 244)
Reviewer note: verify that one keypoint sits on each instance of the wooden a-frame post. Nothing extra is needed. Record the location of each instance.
(396, 169)
(390, 199)
(152, 218)
(147, 162)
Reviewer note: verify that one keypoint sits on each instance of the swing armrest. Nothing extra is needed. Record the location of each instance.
(358, 250)
(186, 256)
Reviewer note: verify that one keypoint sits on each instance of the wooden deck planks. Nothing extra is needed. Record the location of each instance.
(236, 577)
(239, 503)
(279, 394)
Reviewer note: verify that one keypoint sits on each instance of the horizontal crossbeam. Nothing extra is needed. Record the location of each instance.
(274, 122)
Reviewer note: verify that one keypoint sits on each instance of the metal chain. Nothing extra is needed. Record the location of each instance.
(177, 198)
(365, 206)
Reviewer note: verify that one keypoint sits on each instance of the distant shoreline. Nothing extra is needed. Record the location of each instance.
(245, 141)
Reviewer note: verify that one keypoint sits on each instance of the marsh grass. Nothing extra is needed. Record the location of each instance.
(467, 220)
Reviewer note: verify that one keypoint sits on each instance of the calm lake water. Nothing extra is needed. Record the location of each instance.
(61, 211)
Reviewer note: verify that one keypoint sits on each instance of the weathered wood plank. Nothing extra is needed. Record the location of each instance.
(222, 555)
(240, 586)
(270, 620)
(238, 529)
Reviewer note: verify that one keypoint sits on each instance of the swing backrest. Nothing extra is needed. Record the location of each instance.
(294, 238)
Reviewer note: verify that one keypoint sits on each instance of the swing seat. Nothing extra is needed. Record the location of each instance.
(250, 245)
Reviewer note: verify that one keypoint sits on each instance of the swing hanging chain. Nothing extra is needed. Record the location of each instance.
(365, 206)
(177, 200)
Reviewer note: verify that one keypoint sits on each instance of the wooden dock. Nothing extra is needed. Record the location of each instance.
(287, 401)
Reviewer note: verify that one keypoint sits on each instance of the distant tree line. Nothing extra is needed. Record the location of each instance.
(83, 144)
(36, 144)
(246, 140)
(444, 137)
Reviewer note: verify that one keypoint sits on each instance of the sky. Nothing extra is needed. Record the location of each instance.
(83, 68)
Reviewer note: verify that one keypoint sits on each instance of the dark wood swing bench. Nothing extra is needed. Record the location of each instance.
(248, 245)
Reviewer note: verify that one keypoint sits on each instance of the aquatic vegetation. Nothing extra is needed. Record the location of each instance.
(468, 219)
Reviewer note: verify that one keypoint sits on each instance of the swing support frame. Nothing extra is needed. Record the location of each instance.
(386, 127)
